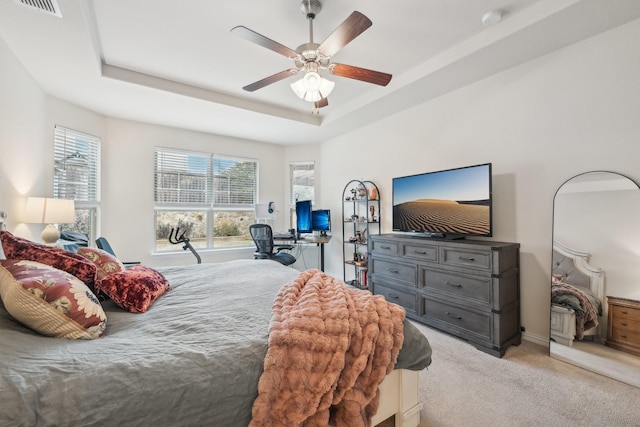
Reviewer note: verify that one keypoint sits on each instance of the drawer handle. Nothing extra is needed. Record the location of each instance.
(393, 270)
(463, 258)
(394, 296)
(455, 316)
(625, 312)
(385, 247)
(623, 335)
(420, 252)
(624, 323)
(455, 285)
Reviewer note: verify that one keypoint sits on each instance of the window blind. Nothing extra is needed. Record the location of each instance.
(76, 165)
(235, 181)
(301, 178)
(188, 178)
(182, 178)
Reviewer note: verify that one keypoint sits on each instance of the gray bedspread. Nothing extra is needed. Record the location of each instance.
(194, 359)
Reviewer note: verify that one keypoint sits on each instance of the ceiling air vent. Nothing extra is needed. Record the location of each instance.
(47, 6)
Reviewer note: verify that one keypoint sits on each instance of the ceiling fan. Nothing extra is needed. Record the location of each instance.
(309, 58)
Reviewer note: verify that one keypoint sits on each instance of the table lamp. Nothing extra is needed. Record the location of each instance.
(46, 210)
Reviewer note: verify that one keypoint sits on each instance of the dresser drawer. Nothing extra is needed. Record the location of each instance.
(466, 258)
(626, 324)
(384, 247)
(479, 323)
(404, 299)
(422, 252)
(476, 288)
(625, 336)
(393, 270)
(621, 312)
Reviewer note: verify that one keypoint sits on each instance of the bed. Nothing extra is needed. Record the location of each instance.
(577, 296)
(193, 359)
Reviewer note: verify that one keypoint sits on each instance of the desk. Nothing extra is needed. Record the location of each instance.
(310, 240)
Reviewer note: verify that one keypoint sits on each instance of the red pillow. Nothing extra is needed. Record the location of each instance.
(18, 248)
(105, 262)
(134, 289)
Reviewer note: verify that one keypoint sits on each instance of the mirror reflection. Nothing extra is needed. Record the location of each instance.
(595, 281)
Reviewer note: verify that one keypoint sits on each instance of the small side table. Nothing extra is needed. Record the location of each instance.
(623, 329)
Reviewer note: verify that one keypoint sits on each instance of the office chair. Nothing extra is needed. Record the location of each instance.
(103, 244)
(262, 236)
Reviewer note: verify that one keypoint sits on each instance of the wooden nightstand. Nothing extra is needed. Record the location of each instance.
(623, 330)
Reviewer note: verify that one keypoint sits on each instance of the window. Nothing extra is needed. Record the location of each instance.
(209, 197)
(301, 187)
(76, 158)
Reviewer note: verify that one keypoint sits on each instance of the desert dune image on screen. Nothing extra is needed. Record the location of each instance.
(455, 201)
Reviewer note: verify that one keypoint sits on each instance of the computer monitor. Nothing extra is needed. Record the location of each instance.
(303, 217)
(321, 220)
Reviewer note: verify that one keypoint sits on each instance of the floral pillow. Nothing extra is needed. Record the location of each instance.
(135, 289)
(23, 249)
(104, 261)
(50, 301)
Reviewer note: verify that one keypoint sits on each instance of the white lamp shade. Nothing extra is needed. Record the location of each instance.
(312, 87)
(60, 211)
(34, 210)
(45, 210)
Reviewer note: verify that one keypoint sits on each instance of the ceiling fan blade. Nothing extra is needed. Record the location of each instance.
(263, 41)
(323, 102)
(271, 79)
(363, 74)
(351, 28)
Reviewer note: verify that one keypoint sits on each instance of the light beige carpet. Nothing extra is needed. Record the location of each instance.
(466, 387)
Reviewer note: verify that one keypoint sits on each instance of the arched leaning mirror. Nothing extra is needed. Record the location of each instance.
(595, 278)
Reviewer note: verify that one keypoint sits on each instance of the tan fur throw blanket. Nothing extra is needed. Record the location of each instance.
(330, 347)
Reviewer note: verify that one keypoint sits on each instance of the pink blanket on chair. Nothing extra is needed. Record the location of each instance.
(330, 347)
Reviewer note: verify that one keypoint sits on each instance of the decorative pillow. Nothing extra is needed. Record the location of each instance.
(104, 261)
(23, 249)
(50, 301)
(134, 289)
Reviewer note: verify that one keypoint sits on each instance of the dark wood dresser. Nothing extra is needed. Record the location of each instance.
(623, 328)
(468, 288)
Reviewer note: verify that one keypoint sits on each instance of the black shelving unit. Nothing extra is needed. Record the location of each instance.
(360, 219)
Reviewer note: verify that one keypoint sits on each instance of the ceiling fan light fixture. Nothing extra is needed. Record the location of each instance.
(312, 87)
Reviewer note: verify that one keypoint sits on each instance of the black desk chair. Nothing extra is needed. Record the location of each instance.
(262, 236)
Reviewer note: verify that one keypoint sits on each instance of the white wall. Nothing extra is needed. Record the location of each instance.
(539, 124)
(23, 110)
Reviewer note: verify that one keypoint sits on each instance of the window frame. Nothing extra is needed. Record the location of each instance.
(70, 149)
(209, 204)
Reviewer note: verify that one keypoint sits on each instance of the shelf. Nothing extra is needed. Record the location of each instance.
(356, 263)
(361, 200)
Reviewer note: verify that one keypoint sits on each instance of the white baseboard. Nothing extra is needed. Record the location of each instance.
(536, 339)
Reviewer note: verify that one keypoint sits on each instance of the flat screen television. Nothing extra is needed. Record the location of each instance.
(451, 203)
(303, 217)
(321, 220)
